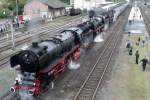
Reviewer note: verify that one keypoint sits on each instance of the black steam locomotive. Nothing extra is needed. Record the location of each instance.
(45, 60)
(107, 15)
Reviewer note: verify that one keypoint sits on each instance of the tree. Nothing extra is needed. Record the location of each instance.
(4, 13)
(11, 5)
(66, 1)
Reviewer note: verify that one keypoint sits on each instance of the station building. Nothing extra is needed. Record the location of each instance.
(44, 8)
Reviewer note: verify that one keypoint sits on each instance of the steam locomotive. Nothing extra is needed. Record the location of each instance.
(45, 60)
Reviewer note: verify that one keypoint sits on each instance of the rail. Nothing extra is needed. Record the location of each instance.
(90, 86)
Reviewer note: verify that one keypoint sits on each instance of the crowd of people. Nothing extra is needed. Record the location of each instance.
(6, 26)
(140, 42)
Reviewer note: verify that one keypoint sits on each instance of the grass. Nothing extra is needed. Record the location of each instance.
(128, 81)
(138, 82)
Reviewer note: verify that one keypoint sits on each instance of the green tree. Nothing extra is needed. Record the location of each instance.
(4, 13)
(66, 1)
(11, 5)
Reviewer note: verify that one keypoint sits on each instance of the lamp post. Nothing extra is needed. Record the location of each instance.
(17, 8)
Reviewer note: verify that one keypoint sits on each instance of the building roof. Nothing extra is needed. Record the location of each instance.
(52, 3)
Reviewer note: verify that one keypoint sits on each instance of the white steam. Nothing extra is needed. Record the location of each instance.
(73, 65)
(99, 38)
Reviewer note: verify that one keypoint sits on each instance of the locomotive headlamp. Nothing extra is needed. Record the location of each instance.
(12, 89)
(34, 84)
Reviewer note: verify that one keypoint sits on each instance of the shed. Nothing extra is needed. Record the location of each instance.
(44, 8)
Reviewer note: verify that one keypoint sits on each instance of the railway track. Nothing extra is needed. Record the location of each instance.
(41, 28)
(95, 78)
(146, 18)
(8, 96)
(4, 60)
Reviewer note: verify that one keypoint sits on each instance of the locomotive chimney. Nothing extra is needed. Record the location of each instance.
(35, 44)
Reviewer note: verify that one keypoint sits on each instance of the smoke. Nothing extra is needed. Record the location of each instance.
(106, 26)
(73, 65)
(24, 47)
(32, 27)
(98, 38)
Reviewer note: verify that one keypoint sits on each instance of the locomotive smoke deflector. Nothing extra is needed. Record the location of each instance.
(14, 61)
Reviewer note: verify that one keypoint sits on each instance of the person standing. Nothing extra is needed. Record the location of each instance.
(144, 63)
(129, 34)
(143, 42)
(140, 16)
(128, 45)
(139, 39)
(130, 50)
(137, 57)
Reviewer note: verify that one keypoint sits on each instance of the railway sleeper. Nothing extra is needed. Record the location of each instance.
(88, 89)
(84, 97)
(101, 64)
(93, 76)
(86, 93)
(100, 68)
(94, 79)
(89, 85)
(93, 83)
(97, 73)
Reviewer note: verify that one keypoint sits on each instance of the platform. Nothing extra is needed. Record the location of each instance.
(128, 81)
(135, 22)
